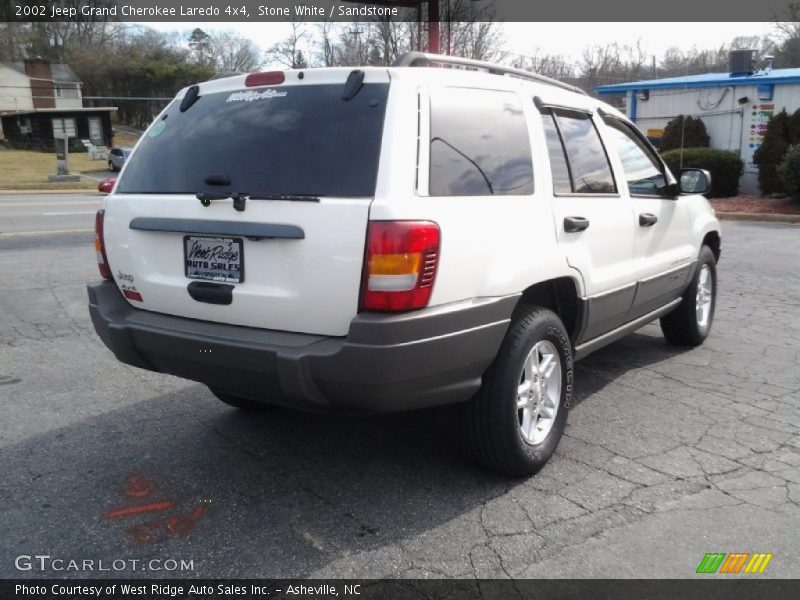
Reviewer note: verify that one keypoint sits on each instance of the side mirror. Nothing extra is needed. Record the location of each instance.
(695, 181)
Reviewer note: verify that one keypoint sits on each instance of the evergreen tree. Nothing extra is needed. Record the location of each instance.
(691, 134)
(770, 154)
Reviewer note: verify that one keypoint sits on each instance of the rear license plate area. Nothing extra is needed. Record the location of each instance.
(214, 258)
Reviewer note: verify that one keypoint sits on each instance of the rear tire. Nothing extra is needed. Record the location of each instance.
(516, 419)
(690, 323)
(111, 166)
(239, 402)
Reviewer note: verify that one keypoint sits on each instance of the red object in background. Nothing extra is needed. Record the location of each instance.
(107, 185)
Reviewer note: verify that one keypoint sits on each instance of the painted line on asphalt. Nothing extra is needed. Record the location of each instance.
(82, 212)
(51, 232)
(25, 204)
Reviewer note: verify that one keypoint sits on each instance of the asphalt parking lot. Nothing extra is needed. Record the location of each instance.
(668, 454)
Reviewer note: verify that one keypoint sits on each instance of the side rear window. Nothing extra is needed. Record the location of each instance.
(479, 144)
(587, 162)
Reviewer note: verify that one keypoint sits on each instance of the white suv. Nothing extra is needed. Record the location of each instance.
(381, 239)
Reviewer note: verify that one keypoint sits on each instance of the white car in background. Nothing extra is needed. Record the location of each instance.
(117, 157)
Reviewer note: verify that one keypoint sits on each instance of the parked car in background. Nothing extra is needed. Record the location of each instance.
(107, 185)
(117, 157)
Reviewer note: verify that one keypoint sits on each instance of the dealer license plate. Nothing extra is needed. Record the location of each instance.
(214, 258)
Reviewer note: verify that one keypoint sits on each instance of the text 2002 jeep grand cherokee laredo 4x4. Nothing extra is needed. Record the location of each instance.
(385, 239)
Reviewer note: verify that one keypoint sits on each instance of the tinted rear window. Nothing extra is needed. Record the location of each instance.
(283, 140)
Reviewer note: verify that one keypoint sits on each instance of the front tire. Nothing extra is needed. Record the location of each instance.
(516, 419)
(690, 323)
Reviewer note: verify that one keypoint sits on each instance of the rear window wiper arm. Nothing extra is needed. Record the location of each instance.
(206, 197)
(239, 198)
(289, 197)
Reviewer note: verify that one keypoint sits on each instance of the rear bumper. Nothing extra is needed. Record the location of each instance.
(387, 362)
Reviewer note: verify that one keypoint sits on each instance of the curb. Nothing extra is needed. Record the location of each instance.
(85, 192)
(759, 217)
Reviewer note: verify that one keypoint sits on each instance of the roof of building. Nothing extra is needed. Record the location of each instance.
(705, 80)
(61, 72)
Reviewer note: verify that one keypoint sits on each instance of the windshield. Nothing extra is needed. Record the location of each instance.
(283, 141)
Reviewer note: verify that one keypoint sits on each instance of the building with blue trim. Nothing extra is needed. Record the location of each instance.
(735, 107)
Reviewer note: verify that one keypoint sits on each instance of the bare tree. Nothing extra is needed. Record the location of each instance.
(763, 44)
(677, 62)
(232, 52)
(286, 51)
(467, 30)
(14, 40)
(788, 33)
(326, 54)
(544, 63)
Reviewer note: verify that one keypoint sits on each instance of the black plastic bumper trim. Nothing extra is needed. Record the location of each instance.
(386, 363)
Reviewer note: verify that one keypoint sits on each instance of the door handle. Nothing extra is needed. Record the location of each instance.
(647, 220)
(575, 224)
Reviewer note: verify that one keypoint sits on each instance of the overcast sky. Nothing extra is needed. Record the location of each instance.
(567, 39)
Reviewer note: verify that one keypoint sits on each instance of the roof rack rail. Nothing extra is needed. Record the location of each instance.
(422, 59)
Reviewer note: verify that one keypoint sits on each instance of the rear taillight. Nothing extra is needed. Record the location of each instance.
(265, 78)
(401, 262)
(100, 246)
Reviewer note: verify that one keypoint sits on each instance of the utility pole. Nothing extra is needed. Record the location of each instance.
(356, 33)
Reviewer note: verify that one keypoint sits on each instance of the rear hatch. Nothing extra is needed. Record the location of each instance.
(300, 158)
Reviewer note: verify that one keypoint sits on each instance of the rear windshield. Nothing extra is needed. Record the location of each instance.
(301, 140)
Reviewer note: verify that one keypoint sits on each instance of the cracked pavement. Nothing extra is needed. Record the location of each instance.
(668, 454)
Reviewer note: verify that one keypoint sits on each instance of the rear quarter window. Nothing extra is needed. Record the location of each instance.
(479, 144)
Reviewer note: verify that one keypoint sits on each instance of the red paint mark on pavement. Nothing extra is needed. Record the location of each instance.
(157, 530)
(138, 486)
(137, 510)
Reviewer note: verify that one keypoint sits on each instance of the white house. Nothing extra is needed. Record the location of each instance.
(40, 102)
(38, 84)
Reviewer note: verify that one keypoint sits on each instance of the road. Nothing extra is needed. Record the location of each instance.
(669, 453)
(31, 214)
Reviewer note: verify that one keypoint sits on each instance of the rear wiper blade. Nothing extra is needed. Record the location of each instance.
(289, 197)
(239, 198)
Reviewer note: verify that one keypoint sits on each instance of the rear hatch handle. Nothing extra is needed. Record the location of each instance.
(253, 231)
